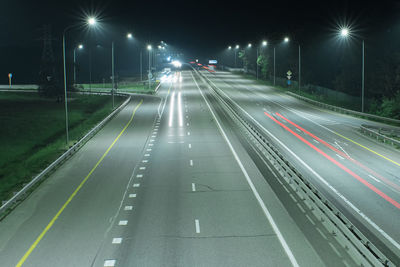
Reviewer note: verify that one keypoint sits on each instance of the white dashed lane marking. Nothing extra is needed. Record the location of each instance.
(117, 240)
(123, 222)
(197, 224)
(136, 185)
(191, 162)
(132, 195)
(109, 263)
(128, 208)
(193, 187)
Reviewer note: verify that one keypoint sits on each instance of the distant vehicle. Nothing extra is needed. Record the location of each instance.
(166, 71)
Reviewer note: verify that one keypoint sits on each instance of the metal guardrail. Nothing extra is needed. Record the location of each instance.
(340, 227)
(379, 136)
(343, 110)
(20, 194)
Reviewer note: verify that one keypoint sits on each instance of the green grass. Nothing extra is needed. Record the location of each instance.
(33, 132)
(124, 87)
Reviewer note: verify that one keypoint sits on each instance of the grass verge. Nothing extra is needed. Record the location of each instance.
(140, 88)
(33, 132)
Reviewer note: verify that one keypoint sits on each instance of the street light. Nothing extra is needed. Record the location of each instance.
(236, 48)
(286, 40)
(249, 45)
(263, 44)
(80, 47)
(149, 75)
(345, 33)
(129, 35)
(229, 47)
(91, 21)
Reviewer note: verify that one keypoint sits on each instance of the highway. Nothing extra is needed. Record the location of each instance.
(166, 182)
(358, 174)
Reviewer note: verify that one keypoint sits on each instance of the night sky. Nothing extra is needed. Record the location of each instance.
(199, 28)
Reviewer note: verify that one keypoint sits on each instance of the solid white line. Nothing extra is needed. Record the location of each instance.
(197, 223)
(123, 222)
(117, 240)
(180, 110)
(109, 263)
(255, 192)
(191, 162)
(351, 205)
(193, 187)
(171, 109)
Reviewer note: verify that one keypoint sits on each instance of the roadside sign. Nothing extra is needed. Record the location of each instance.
(289, 74)
(9, 78)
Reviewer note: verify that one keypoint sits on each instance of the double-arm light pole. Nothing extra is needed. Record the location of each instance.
(91, 22)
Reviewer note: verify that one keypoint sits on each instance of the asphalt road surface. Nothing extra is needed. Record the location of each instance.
(168, 183)
(360, 175)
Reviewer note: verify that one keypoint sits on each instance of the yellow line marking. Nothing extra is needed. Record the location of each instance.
(33, 246)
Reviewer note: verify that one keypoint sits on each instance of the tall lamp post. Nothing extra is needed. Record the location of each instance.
(345, 33)
(286, 40)
(236, 49)
(263, 44)
(149, 76)
(79, 47)
(91, 22)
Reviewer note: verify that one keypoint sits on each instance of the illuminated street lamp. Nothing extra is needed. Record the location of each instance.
(286, 40)
(236, 49)
(263, 44)
(91, 21)
(249, 45)
(230, 47)
(129, 35)
(149, 75)
(345, 33)
(80, 47)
